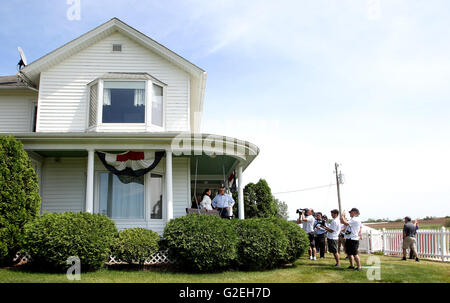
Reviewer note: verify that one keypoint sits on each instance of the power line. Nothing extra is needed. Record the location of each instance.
(304, 189)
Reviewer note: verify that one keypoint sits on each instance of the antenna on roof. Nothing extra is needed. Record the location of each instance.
(23, 60)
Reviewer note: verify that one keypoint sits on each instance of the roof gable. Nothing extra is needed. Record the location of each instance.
(33, 70)
(197, 75)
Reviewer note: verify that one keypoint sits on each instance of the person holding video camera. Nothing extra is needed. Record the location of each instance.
(334, 229)
(319, 234)
(352, 236)
(307, 219)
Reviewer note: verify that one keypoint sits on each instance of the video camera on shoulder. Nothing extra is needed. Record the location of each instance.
(304, 211)
(301, 210)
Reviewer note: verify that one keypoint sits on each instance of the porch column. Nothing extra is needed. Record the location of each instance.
(240, 193)
(169, 189)
(90, 182)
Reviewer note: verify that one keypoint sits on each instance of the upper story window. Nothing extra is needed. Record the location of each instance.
(126, 101)
(157, 105)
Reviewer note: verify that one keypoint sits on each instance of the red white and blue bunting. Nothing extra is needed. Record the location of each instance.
(132, 164)
(232, 182)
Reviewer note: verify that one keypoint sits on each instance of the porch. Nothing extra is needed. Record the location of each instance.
(72, 177)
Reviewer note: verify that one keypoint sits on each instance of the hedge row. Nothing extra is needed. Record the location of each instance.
(207, 243)
(197, 243)
(52, 238)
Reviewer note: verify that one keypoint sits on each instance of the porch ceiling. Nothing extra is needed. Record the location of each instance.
(207, 166)
(62, 153)
(212, 166)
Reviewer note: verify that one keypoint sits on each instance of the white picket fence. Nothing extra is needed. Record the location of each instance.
(431, 244)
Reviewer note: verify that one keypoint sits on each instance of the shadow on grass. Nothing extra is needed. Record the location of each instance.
(168, 268)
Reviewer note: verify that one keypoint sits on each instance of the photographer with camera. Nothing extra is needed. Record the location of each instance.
(352, 236)
(319, 234)
(306, 217)
(333, 230)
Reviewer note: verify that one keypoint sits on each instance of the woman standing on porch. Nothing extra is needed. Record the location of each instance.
(206, 200)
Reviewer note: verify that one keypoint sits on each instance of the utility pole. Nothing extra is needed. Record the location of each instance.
(338, 181)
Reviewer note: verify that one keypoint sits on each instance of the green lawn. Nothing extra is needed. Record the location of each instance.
(392, 270)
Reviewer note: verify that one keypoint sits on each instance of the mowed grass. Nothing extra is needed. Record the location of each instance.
(303, 271)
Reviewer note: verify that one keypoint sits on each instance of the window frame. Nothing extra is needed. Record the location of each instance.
(147, 125)
(147, 196)
(100, 105)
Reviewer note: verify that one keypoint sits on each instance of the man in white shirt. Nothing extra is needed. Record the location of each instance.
(223, 203)
(333, 230)
(352, 236)
(308, 227)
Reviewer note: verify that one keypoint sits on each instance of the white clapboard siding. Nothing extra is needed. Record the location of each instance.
(63, 184)
(63, 88)
(64, 188)
(181, 186)
(16, 114)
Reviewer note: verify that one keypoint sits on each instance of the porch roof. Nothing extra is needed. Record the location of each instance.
(198, 147)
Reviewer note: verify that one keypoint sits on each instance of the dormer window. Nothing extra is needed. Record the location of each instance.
(126, 102)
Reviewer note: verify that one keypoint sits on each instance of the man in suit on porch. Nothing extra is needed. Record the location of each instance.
(223, 203)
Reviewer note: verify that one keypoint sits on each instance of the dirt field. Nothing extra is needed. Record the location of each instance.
(435, 223)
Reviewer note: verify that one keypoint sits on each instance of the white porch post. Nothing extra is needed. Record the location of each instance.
(240, 193)
(90, 182)
(169, 189)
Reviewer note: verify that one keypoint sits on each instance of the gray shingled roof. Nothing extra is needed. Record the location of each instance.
(12, 82)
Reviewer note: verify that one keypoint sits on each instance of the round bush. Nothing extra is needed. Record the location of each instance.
(19, 197)
(297, 239)
(53, 238)
(262, 244)
(201, 242)
(135, 245)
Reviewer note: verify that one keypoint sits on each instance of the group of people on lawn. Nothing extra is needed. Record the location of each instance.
(347, 232)
(321, 233)
(339, 230)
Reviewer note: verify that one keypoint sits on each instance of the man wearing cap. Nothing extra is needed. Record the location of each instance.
(352, 234)
(334, 229)
(409, 238)
(223, 203)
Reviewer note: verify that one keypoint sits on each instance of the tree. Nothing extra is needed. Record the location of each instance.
(258, 200)
(19, 196)
(282, 209)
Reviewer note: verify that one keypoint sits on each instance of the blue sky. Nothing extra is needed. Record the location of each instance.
(363, 82)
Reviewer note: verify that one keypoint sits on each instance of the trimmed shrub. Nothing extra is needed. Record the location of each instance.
(53, 238)
(447, 222)
(298, 241)
(201, 242)
(19, 197)
(262, 244)
(135, 245)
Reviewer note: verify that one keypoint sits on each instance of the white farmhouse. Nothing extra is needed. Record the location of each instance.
(115, 101)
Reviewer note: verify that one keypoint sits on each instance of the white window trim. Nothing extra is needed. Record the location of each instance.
(147, 207)
(146, 126)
